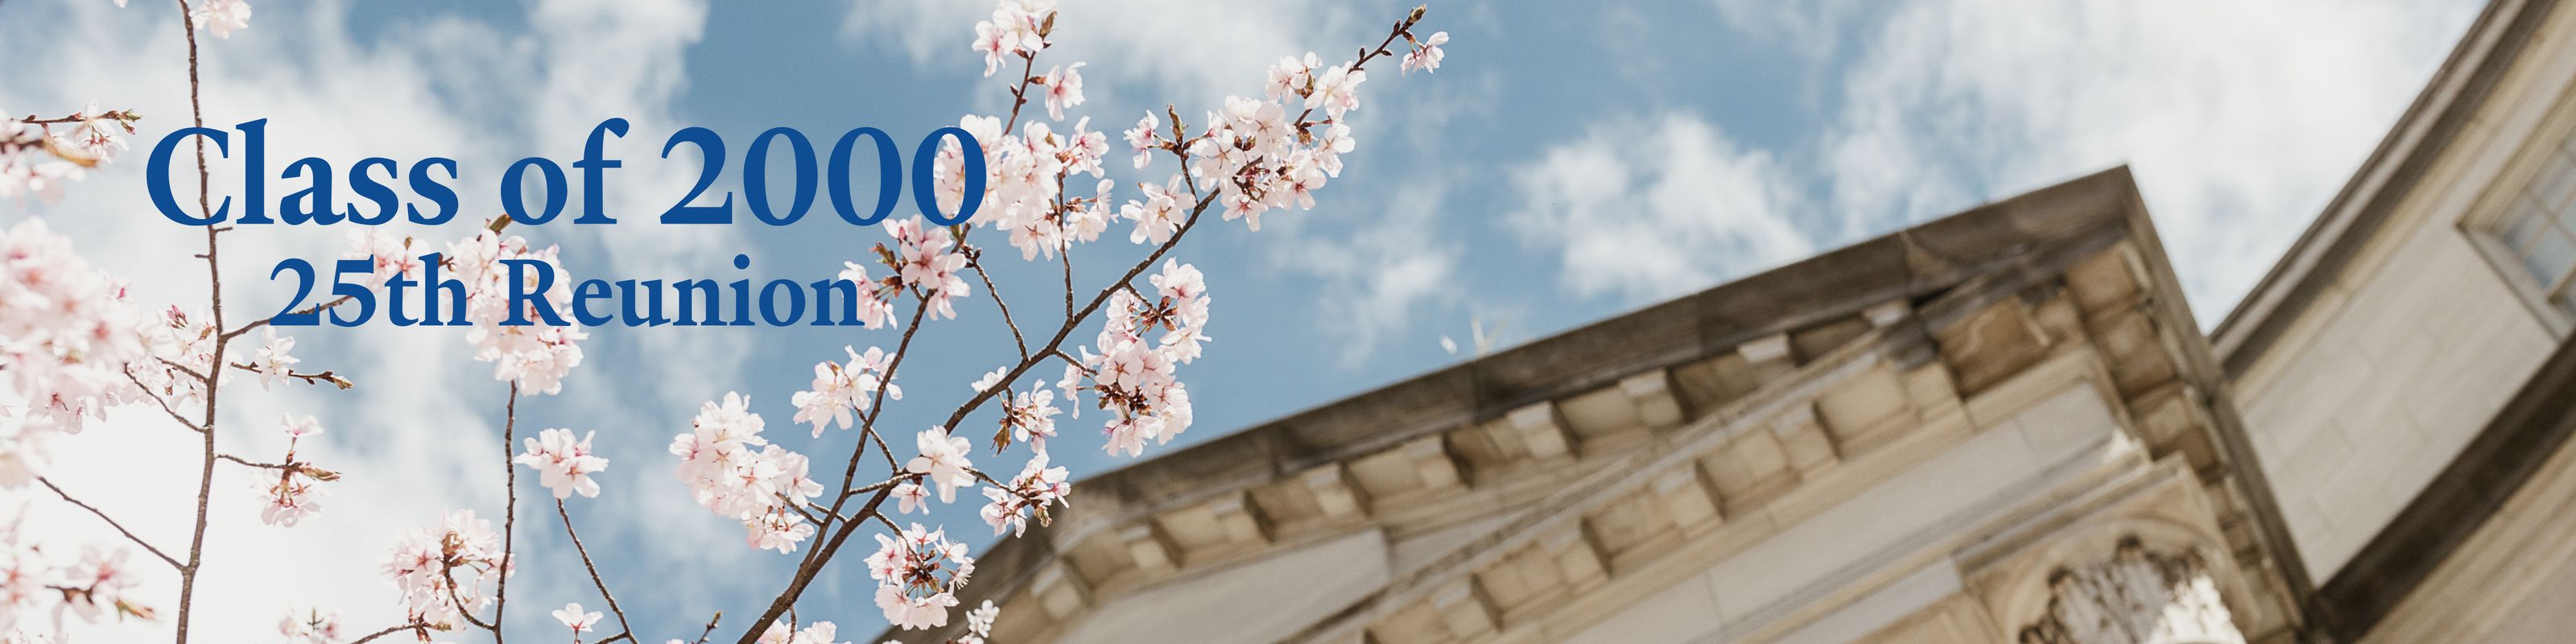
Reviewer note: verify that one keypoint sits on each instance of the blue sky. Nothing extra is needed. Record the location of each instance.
(1570, 161)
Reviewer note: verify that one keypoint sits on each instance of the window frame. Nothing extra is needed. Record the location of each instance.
(2554, 305)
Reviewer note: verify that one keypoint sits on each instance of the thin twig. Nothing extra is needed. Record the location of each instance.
(975, 260)
(165, 404)
(254, 325)
(594, 572)
(309, 378)
(111, 522)
(711, 627)
(418, 627)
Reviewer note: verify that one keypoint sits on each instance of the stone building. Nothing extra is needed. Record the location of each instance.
(1999, 426)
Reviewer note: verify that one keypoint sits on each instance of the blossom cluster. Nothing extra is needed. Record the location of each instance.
(92, 588)
(1031, 492)
(563, 465)
(842, 389)
(1136, 378)
(36, 161)
(536, 355)
(918, 572)
(781, 632)
(735, 473)
(927, 260)
(66, 334)
(310, 627)
(1025, 172)
(296, 492)
(442, 572)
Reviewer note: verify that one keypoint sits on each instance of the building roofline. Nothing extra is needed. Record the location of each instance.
(1909, 263)
(2385, 178)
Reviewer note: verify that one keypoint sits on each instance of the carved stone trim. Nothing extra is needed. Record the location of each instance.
(2139, 596)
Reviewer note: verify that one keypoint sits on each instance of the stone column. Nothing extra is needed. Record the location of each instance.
(2139, 596)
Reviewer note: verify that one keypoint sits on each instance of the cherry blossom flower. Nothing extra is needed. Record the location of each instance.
(917, 573)
(734, 472)
(537, 355)
(273, 361)
(67, 332)
(1063, 89)
(1338, 89)
(95, 587)
(392, 254)
(781, 632)
(1016, 29)
(1159, 215)
(221, 17)
(1144, 139)
(989, 380)
(873, 308)
(1031, 492)
(979, 622)
(842, 389)
(926, 263)
(572, 617)
(943, 459)
(1030, 415)
(310, 627)
(1293, 76)
(909, 497)
(564, 465)
(296, 492)
(1426, 54)
(94, 134)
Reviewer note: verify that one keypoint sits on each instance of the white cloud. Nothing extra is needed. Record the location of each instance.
(1812, 29)
(1371, 281)
(1644, 209)
(2239, 119)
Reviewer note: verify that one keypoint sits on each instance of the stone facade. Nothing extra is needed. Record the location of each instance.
(1999, 426)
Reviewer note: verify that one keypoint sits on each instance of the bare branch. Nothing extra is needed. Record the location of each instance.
(510, 512)
(594, 573)
(120, 528)
(254, 325)
(309, 378)
(417, 627)
(164, 403)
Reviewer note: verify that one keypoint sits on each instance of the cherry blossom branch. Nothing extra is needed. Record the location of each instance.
(111, 522)
(164, 403)
(75, 117)
(306, 469)
(324, 376)
(418, 627)
(510, 511)
(447, 570)
(594, 574)
(975, 260)
(215, 299)
(1056, 344)
(1020, 90)
(711, 627)
(880, 485)
(805, 573)
(190, 372)
(254, 325)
